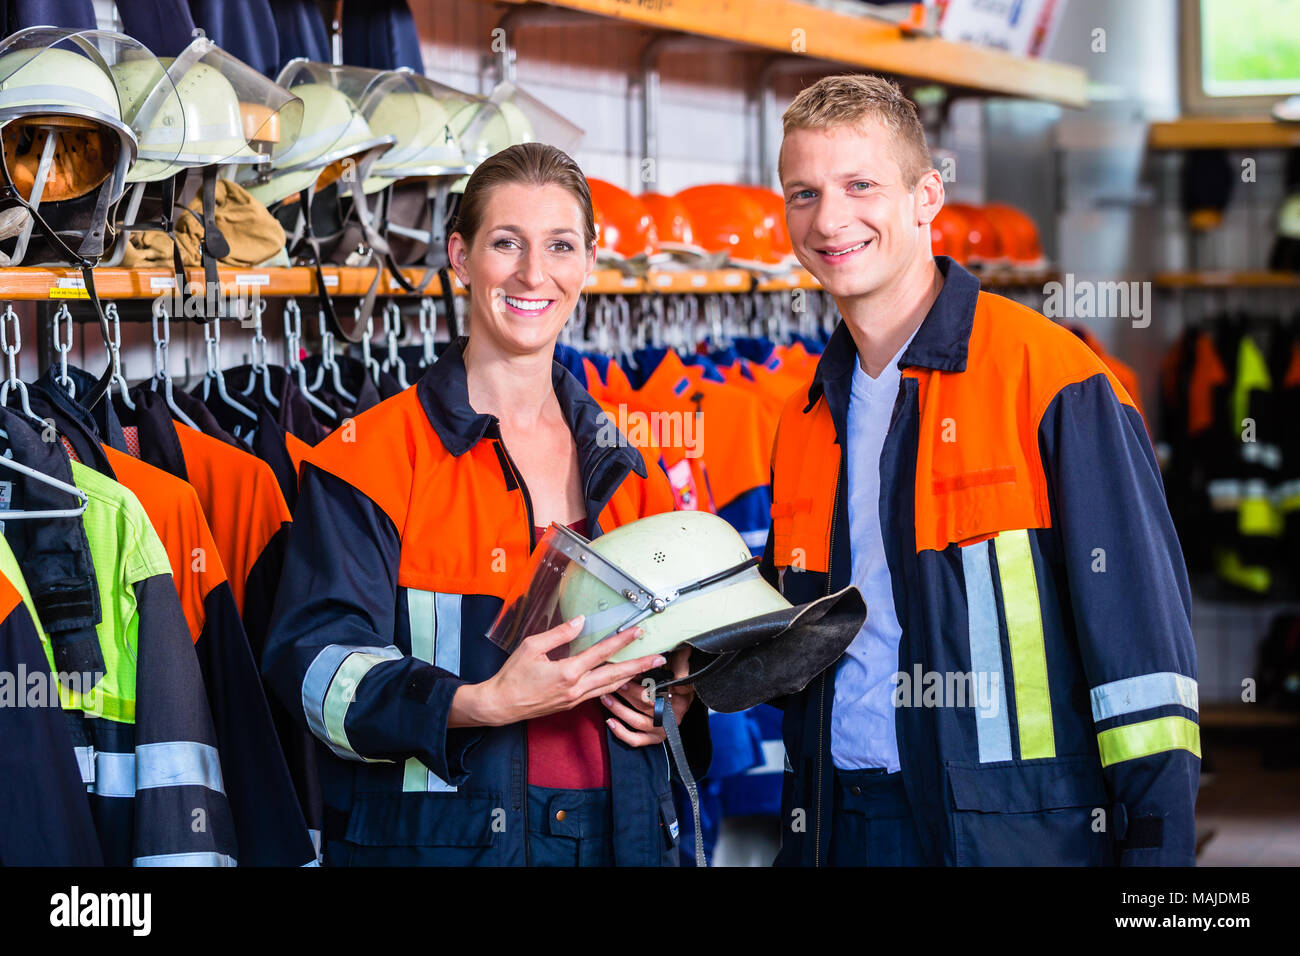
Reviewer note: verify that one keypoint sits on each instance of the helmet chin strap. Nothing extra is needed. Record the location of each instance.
(665, 717)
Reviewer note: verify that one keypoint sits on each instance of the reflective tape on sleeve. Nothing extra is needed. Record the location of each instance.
(1142, 693)
(1148, 737)
(330, 685)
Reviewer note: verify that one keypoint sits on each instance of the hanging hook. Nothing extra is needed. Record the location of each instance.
(63, 347)
(10, 346)
(115, 355)
(428, 320)
(393, 332)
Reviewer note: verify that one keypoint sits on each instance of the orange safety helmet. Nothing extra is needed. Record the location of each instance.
(625, 225)
(1018, 235)
(950, 235)
(774, 217)
(672, 223)
(730, 220)
(985, 249)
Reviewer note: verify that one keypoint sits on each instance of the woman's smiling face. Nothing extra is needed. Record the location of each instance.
(525, 266)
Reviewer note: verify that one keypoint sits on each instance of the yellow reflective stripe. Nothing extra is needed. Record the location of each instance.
(1028, 651)
(1252, 374)
(1252, 577)
(1149, 737)
(341, 693)
(1258, 516)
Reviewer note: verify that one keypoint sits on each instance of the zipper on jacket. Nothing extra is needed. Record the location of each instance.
(532, 543)
(821, 715)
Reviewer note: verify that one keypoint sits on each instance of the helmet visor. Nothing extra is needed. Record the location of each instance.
(62, 114)
(418, 112)
(567, 576)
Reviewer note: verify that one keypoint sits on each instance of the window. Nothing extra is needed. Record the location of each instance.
(1239, 55)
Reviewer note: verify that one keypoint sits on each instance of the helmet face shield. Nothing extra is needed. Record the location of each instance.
(507, 118)
(563, 572)
(332, 130)
(648, 577)
(214, 109)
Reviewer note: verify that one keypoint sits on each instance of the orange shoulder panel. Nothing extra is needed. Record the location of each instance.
(978, 466)
(9, 597)
(378, 452)
(239, 496)
(174, 511)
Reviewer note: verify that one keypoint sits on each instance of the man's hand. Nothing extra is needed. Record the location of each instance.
(634, 708)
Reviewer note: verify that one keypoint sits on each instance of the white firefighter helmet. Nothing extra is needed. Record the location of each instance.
(66, 145)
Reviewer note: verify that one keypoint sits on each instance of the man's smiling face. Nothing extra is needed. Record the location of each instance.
(853, 221)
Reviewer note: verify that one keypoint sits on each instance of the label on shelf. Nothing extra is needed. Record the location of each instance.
(732, 278)
(158, 283)
(252, 278)
(698, 280)
(69, 288)
(331, 281)
(663, 280)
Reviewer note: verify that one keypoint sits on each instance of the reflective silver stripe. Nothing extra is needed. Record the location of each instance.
(435, 637)
(86, 764)
(447, 642)
(319, 680)
(185, 859)
(1270, 456)
(114, 775)
(1142, 693)
(181, 763)
(992, 723)
(420, 612)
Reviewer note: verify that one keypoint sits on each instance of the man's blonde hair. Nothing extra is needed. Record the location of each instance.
(851, 99)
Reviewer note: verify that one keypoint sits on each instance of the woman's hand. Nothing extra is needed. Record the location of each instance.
(531, 684)
(633, 709)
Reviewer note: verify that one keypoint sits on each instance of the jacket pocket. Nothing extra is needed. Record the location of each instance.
(1042, 813)
(428, 828)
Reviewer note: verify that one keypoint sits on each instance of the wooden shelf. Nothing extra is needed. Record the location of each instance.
(852, 40)
(1226, 280)
(1223, 132)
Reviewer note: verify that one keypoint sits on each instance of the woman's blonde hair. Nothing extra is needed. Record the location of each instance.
(851, 99)
(530, 164)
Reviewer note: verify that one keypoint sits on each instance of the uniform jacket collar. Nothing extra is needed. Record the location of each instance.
(444, 394)
(941, 343)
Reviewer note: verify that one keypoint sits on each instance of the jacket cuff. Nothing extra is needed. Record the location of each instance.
(447, 748)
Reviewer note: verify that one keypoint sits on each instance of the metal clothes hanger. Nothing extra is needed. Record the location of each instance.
(10, 343)
(293, 362)
(212, 358)
(327, 362)
(369, 361)
(392, 332)
(115, 357)
(160, 374)
(257, 361)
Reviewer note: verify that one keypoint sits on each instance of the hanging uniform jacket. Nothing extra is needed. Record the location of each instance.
(44, 814)
(410, 525)
(249, 522)
(1030, 548)
(243, 28)
(143, 733)
(381, 35)
(729, 438)
(1244, 467)
(269, 824)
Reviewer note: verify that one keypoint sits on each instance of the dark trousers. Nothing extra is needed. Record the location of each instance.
(873, 824)
(570, 827)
